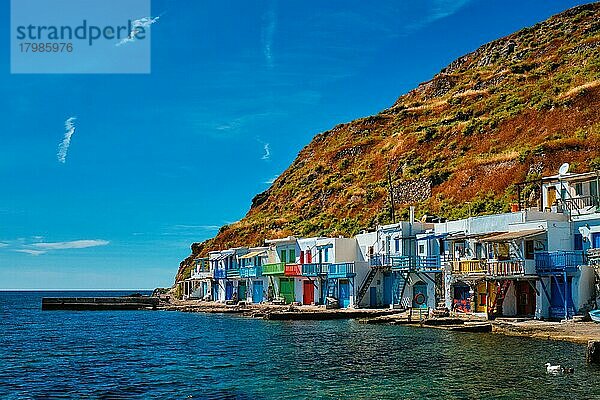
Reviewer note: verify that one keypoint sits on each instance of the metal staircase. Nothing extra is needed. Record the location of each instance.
(364, 286)
(399, 285)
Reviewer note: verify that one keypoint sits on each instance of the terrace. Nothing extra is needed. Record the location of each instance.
(341, 270)
(273, 269)
(250, 271)
(293, 270)
(465, 267)
(420, 263)
(552, 262)
(505, 267)
(314, 269)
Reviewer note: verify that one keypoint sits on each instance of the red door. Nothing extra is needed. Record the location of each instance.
(309, 293)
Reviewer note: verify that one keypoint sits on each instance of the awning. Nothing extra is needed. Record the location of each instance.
(433, 236)
(477, 236)
(505, 237)
(254, 254)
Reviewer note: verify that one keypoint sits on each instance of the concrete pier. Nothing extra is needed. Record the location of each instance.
(99, 303)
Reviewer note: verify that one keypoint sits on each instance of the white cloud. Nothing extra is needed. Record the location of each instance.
(31, 252)
(75, 244)
(2, 244)
(270, 181)
(268, 33)
(63, 147)
(136, 25)
(267, 154)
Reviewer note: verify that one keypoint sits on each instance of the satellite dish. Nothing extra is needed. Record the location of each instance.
(564, 169)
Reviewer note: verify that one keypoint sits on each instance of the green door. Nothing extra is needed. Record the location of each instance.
(286, 287)
(242, 291)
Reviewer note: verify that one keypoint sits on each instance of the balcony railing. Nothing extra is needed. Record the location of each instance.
(558, 261)
(505, 267)
(314, 269)
(423, 263)
(341, 270)
(233, 273)
(201, 273)
(379, 260)
(250, 272)
(577, 203)
(293, 270)
(469, 267)
(593, 256)
(220, 273)
(274, 269)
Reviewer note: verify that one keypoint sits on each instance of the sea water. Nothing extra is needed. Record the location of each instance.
(164, 355)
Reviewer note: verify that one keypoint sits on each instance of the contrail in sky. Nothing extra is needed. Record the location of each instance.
(63, 147)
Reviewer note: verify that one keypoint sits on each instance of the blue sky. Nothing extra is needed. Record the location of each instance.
(237, 88)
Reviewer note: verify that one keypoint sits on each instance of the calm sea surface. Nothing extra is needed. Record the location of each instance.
(162, 355)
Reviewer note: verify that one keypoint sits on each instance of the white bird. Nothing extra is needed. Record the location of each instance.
(554, 369)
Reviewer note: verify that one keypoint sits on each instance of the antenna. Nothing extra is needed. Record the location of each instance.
(564, 169)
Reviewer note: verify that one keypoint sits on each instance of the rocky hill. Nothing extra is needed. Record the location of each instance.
(513, 109)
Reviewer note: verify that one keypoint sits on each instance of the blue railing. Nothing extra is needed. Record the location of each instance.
(548, 262)
(379, 260)
(415, 262)
(220, 273)
(314, 269)
(340, 270)
(250, 272)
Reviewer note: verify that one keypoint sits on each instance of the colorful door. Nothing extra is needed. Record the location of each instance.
(387, 289)
(228, 290)
(596, 240)
(525, 298)
(344, 293)
(286, 288)
(419, 295)
(242, 291)
(557, 293)
(215, 291)
(308, 293)
(257, 291)
(373, 296)
(204, 289)
(462, 299)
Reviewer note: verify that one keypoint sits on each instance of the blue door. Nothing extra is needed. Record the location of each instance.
(215, 291)
(228, 290)
(373, 297)
(596, 240)
(257, 291)
(387, 289)
(419, 295)
(557, 291)
(344, 293)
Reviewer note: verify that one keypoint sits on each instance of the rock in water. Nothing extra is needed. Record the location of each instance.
(592, 354)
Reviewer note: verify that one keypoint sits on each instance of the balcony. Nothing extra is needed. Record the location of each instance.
(314, 269)
(505, 267)
(293, 270)
(577, 203)
(341, 270)
(273, 269)
(379, 260)
(593, 256)
(250, 271)
(201, 273)
(552, 262)
(420, 263)
(220, 273)
(464, 267)
(233, 273)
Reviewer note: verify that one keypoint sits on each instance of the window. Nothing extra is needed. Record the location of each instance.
(387, 245)
(529, 249)
(578, 245)
(309, 256)
(397, 245)
(594, 188)
(421, 249)
(326, 254)
(282, 256)
(579, 189)
(301, 256)
(292, 255)
(596, 240)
